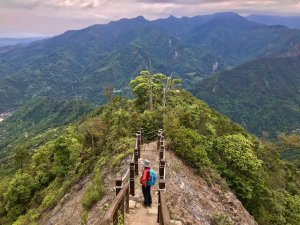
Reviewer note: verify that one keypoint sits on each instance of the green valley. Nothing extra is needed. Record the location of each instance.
(39, 116)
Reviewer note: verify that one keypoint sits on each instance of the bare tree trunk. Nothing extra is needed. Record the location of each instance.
(164, 98)
(166, 89)
(151, 94)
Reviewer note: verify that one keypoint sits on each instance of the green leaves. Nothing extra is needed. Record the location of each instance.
(237, 152)
(211, 143)
(18, 195)
(151, 90)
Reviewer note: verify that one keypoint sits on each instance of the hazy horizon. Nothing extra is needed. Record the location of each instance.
(37, 18)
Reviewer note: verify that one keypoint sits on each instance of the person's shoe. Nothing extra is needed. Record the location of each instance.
(145, 206)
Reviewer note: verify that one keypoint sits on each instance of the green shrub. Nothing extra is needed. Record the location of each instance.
(84, 218)
(120, 219)
(221, 219)
(18, 195)
(92, 193)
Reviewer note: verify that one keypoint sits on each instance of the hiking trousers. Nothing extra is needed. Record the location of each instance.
(147, 195)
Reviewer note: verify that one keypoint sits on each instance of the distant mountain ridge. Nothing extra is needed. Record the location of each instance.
(78, 64)
(289, 21)
(15, 41)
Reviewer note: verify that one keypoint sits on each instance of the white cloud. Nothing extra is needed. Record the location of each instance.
(60, 15)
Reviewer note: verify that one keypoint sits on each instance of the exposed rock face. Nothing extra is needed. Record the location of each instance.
(69, 209)
(191, 199)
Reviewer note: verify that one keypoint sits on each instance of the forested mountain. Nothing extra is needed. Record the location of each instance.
(78, 64)
(232, 37)
(36, 117)
(221, 152)
(262, 95)
(289, 21)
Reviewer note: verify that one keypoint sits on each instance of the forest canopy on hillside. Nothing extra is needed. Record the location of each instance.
(221, 151)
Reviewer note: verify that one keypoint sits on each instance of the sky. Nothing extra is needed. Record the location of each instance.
(27, 18)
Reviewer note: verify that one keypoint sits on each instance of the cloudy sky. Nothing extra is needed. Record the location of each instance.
(49, 17)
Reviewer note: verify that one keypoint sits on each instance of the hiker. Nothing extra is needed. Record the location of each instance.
(146, 188)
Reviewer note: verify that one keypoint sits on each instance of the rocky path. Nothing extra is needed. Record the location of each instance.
(138, 214)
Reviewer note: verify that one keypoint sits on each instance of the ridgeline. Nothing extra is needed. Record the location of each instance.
(216, 149)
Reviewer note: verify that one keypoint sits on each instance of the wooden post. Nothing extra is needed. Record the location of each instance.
(161, 138)
(131, 178)
(161, 152)
(142, 136)
(139, 145)
(136, 161)
(122, 206)
(127, 200)
(118, 184)
(162, 185)
(162, 164)
(158, 141)
(158, 208)
(115, 217)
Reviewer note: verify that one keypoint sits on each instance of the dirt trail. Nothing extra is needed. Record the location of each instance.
(138, 214)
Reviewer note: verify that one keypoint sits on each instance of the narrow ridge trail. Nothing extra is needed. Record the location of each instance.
(138, 214)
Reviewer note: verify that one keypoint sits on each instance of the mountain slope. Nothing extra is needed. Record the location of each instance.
(78, 64)
(238, 40)
(289, 21)
(36, 117)
(220, 151)
(262, 95)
